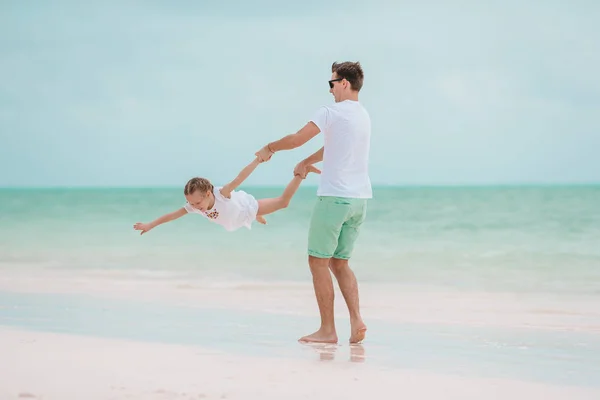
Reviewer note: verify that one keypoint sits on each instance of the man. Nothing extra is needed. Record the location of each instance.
(342, 195)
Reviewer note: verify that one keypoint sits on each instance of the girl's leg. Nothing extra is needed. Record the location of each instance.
(268, 206)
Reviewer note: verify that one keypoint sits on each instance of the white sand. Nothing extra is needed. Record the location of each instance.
(54, 366)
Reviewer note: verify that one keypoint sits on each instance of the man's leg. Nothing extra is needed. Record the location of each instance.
(344, 274)
(349, 288)
(325, 226)
(323, 286)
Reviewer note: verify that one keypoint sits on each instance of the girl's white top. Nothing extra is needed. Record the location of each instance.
(238, 211)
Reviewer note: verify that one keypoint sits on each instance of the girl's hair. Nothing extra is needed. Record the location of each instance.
(194, 184)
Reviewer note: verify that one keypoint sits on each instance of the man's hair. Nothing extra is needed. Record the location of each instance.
(351, 71)
(195, 184)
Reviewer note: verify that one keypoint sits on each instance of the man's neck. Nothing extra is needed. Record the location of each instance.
(350, 96)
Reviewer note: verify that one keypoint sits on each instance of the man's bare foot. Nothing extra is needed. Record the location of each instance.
(261, 219)
(320, 337)
(357, 332)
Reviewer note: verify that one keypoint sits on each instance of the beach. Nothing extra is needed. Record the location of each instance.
(112, 337)
(58, 366)
(467, 294)
(470, 130)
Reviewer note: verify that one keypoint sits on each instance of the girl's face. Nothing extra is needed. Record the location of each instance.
(200, 201)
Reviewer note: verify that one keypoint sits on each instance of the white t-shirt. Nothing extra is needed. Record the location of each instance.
(238, 211)
(346, 127)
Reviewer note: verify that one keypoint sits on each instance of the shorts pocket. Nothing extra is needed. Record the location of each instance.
(341, 200)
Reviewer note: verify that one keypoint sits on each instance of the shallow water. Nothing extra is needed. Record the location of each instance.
(568, 358)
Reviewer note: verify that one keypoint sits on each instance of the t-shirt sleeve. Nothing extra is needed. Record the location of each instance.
(321, 118)
(188, 207)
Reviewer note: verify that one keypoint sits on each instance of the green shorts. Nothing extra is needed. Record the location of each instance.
(334, 226)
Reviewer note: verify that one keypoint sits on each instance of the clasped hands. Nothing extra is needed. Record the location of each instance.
(266, 153)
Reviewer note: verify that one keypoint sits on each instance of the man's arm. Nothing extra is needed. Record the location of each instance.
(315, 157)
(301, 167)
(289, 142)
(245, 173)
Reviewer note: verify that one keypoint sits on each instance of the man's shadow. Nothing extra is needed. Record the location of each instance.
(327, 351)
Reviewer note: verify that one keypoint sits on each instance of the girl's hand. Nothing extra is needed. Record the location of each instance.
(142, 227)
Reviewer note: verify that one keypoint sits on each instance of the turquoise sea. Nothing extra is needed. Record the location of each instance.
(541, 239)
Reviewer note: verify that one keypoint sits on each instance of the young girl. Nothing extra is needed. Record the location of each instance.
(224, 205)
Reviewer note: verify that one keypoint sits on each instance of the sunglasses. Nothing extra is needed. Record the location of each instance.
(334, 80)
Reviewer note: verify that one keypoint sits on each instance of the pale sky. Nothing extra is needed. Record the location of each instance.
(147, 93)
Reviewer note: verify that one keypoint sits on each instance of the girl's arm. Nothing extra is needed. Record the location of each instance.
(245, 173)
(160, 220)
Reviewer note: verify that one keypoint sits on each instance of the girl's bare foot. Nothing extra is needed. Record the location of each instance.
(261, 219)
